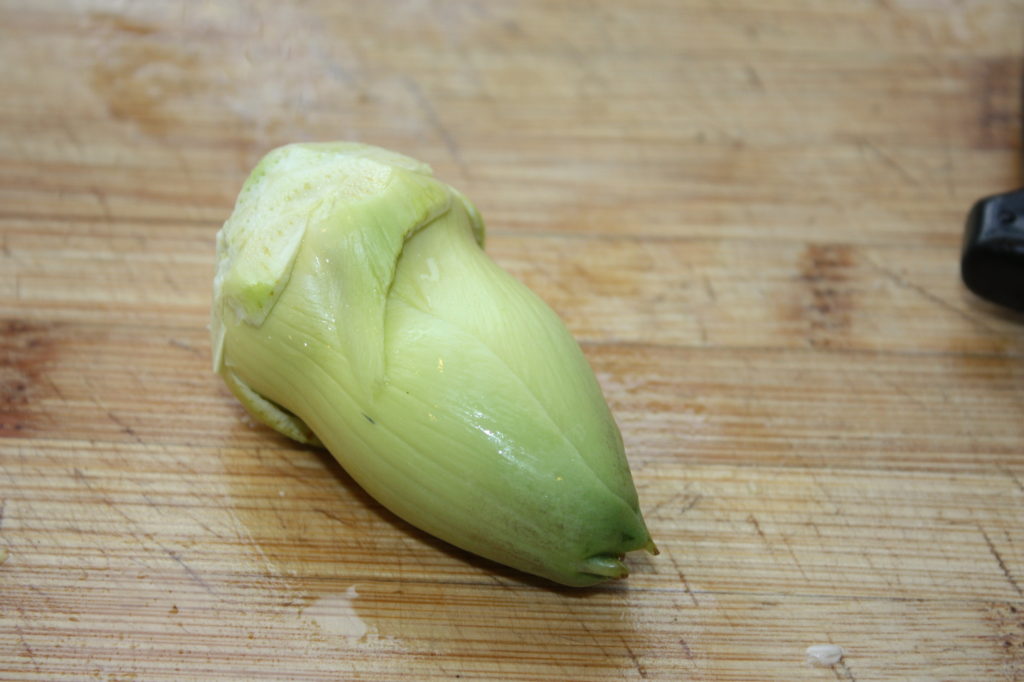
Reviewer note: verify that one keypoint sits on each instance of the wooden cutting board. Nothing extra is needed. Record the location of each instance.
(748, 213)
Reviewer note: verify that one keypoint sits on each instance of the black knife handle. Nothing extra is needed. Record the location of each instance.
(992, 260)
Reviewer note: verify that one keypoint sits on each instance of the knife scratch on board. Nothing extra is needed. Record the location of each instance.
(999, 560)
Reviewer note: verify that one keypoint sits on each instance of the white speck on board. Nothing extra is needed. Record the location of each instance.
(824, 654)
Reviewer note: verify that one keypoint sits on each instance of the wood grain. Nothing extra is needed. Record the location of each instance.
(748, 213)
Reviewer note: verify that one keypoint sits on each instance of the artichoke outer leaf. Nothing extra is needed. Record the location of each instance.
(269, 413)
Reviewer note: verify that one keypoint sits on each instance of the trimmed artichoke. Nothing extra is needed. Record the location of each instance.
(354, 307)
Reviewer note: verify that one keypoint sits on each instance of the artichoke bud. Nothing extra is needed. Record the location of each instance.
(354, 307)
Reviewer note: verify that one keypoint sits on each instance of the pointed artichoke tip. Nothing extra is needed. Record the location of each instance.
(652, 548)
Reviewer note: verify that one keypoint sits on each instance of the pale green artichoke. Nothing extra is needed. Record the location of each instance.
(354, 307)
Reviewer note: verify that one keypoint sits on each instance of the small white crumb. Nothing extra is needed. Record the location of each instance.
(824, 654)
